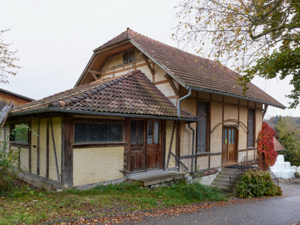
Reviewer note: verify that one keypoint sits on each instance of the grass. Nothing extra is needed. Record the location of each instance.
(34, 206)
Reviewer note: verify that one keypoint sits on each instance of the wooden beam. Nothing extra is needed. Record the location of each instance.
(172, 85)
(95, 72)
(94, 75)
(3, 123)
(148, 64)
(54, 149)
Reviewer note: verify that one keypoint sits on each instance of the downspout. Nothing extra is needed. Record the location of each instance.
(178, 105)
(192, 164)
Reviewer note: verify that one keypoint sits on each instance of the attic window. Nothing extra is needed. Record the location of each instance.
(128, 57)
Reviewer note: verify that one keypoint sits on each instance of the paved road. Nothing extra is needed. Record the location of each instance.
(280, 210)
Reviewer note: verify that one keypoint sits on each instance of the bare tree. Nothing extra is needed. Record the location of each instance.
(7, 60)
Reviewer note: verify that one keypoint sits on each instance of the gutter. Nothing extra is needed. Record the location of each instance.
(77, 112)
(178, 105)
(235, 96)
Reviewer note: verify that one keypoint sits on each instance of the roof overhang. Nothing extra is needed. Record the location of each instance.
(93, 113)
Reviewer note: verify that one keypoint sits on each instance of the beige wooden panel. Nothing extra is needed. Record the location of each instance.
(232, 100)
(215, 161)
(202, 163)
(259, 105)
(34, 128)
(189, 105)
(24, 159)
(186, 142)
(94, 165)
(242, 131)
(216, 135)
(56, 122)
(252, 104)
(243, 102)
(216, 97)
(43, 146)
(144, 69)
(169, 128)
(116, 61)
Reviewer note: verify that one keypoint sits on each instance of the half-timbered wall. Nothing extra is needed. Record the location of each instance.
(169, 129)
(221, 108)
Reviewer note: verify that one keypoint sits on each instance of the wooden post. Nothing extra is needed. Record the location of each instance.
(54, 149)
(170, 146)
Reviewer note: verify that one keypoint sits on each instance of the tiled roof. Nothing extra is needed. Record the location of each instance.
(192, 70)
(131, 93)
(277, 146)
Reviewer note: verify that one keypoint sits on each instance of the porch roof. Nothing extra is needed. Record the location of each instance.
(130, 94)
(191, 70)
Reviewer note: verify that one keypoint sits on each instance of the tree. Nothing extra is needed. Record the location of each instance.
(289, 136)
(255, 37)
(265, 146)
(7, 60)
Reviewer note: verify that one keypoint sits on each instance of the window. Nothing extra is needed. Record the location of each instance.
(137, 132)
(95, 132)
(128, 57)
(202, 127)
(153, 132)
(20, 133)
(251, 117)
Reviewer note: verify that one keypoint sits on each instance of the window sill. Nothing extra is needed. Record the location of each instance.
(97, 144)
(19, 143)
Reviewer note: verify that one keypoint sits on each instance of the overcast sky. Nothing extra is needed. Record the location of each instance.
(55, 40)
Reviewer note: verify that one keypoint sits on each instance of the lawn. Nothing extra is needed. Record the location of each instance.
(29, 206)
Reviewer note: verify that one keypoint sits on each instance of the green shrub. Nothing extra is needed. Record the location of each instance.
(256, 184)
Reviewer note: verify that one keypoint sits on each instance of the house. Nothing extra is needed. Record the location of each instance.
(139, 105)
(277, 145)
(9, 100)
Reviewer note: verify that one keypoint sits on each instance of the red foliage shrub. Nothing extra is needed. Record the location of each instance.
(265, 146)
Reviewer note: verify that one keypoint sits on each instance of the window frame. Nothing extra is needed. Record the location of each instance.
(121, 122)
(127, 56)
(207, 115)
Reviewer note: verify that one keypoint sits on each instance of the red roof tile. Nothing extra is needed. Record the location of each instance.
(131, 93)
(193, 70)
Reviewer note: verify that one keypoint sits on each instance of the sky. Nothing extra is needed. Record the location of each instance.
(55, 40)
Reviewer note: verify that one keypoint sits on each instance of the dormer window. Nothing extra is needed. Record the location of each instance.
(128, 57)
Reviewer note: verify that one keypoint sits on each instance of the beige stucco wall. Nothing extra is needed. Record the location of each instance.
(258, 124)
(169, 128)
(43, 146)
(202, 162)
(242, 131)
(34, 129)
(230, 112)
(186, 141)
(93, 165)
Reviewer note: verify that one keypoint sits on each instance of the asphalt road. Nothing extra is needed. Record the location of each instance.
(278, 210)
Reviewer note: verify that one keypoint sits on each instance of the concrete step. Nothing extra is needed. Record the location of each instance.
(222, 189)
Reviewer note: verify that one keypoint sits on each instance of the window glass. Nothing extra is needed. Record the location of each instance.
(250, 135)
(150, 132)
(232, 141)
(225, 136)
(95, 132)
(21, 133)
(128, 57)
(140, 132)
(133, 131)
(229, 136)
(156, 132)
(202, 127)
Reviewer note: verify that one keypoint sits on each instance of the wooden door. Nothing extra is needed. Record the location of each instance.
(229, 146)
(153, 145)
(137, 145)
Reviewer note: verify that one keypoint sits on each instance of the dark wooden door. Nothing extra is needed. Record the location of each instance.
(153, 145)
(229, 146)
(137, 145)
